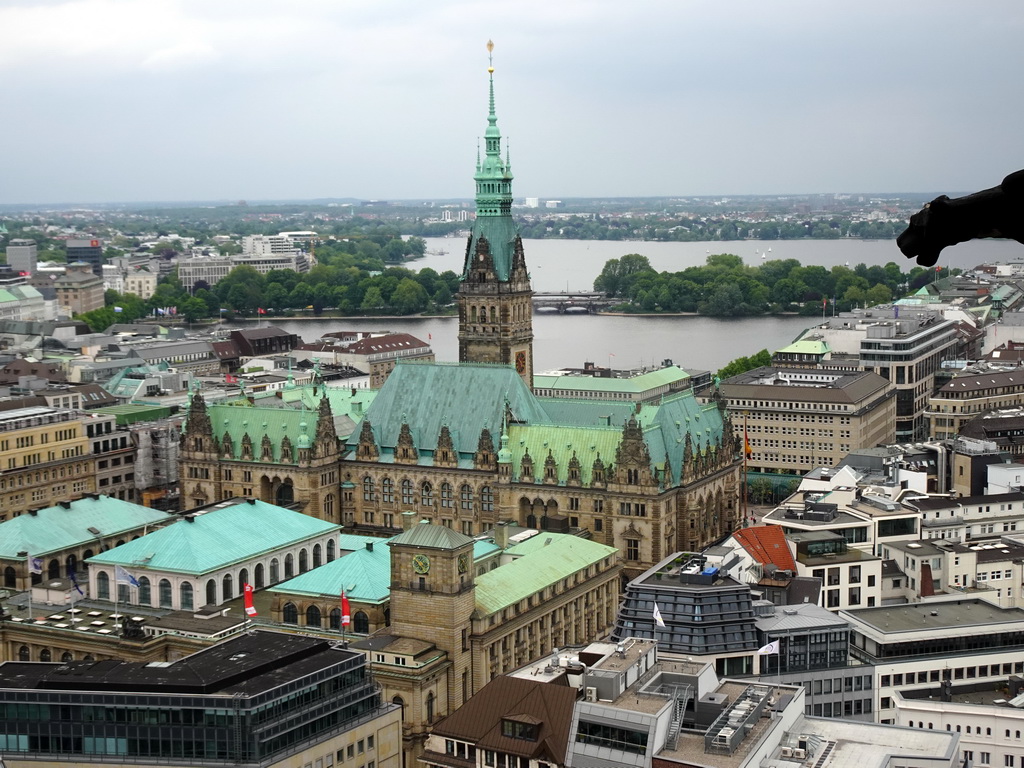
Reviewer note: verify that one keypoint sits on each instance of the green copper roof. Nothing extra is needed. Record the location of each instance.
(634, 385)
(365, 575)
(426, 534)
(276, 423)
(466, 397)
(667, 423)
(56, 528)
(586, 443)
(540, 562)
(807, 347)
(217, 538)
(493, 199)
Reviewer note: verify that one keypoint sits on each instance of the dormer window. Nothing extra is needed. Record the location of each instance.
(525, 728)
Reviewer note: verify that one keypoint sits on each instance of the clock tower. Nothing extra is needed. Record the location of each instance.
(495, 297)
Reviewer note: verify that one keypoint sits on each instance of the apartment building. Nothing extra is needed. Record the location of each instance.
(799, 419)
(970, 394)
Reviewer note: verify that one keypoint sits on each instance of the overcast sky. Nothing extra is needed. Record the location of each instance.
(129, 100)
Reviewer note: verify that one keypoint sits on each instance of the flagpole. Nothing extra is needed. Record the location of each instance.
(28, 573)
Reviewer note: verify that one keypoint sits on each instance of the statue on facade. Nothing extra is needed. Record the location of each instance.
(995, 212)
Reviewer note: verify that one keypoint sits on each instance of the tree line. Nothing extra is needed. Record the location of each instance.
(725, 287)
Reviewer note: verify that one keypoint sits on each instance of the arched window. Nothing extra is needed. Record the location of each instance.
(318, 552)
(290, 614)
(228, 587)
(466, 497)
(335, 618)
(329, 505)
(274, 568)
(367, 488)
(330, 550)
(289, 565)
(446, 495)
(387, 490)
(407, 497)
(361, 623)
(24, 654)
(45, 655)
(400, 702)
(71, 565)
(67, 656)
(211, 592)
(430, 707)
(145, 594)
(427, 495)
(10, 578)
(303, 560)
(53, 569)
(103, 585)
(185, 596)
(166, 594)
(89, 657)
(313, 616)
(487, 499)
(243, 579)
(258, 576)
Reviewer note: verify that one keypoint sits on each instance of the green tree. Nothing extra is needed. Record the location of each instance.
(372, 300)
(193, 308)
(409, 297)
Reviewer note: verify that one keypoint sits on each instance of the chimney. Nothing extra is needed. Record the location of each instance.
(408, 520)
(369, 546)
(501, 535)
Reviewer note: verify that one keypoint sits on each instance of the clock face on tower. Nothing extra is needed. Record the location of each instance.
(463, 563)
(421, 564)
(520, 362)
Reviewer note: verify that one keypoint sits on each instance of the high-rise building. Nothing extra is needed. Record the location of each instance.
(22, 255)
(495, 297)
(87, 250)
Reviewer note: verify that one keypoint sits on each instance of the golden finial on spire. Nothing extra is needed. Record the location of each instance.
(490, 56)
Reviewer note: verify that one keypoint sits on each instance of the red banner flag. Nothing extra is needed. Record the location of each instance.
(230, 379)
(746, 443)
(346, 614)
(250, 609)
(260, 311)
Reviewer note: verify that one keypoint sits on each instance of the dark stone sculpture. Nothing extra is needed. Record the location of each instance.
(995, 212)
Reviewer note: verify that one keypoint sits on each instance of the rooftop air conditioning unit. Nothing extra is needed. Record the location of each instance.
(591, 693)
(800, 754)
(787, 751)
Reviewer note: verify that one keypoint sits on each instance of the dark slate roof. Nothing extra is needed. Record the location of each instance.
(479, 720)
(466, 397)
(390, 343)
(17, 368)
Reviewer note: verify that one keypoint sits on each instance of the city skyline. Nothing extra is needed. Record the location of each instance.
(179, 100)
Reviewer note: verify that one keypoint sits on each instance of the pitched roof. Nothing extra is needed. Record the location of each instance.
(365, 574)
(214, 539)
(634, 385)
(466, 397)
(389, 343)
(767, 544)
(562, 443)
(539, 561)
(479, 720)
(59, 527)
(426, 534)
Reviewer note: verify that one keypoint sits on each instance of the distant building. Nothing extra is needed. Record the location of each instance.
(261, 700)
(88, 251)
(22, 255)
(373, 355)
(643, 388)
(141, 283)
(79, 289)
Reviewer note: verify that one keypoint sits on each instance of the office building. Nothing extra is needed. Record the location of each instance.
(22, 255)
(87, 250)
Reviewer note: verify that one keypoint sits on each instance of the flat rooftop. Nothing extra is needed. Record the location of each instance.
(959, 616)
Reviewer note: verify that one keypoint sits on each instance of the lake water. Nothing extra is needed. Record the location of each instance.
(627, 342)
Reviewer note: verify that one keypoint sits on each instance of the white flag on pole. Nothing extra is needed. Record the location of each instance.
(123, 577)
(772, 647)
(657, 616)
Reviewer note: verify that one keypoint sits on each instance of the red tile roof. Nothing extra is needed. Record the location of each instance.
(767, 544)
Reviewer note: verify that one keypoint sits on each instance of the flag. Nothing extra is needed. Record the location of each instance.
(430, 336)
(772, 647)
(824, 302)
(250, 609)
(346, 614)
(611, 354)
(657, 616)
(121, 576)
(260, 311)
(118, 309)
(230, 379)
(222, 309)
(35, 565)
(159, 311)
(746, 443)
(74, 580)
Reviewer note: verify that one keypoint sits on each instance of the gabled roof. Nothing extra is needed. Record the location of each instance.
(391, 343)
(466, 397)
(767, 545)
(479, 720)
(586, 443)
(59, 527)
(217, 538)
(365, 574)
(540, 561)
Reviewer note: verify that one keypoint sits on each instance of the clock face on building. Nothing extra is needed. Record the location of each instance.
(520, 361)
(421, 564)
(463, 563)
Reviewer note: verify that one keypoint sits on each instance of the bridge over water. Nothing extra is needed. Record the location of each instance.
(574, 301)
